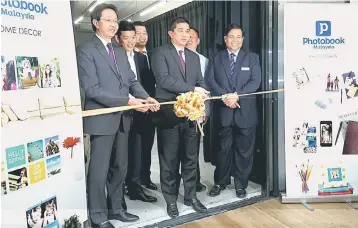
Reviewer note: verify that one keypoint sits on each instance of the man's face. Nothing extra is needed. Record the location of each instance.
(128, 40)
(234, 40)
(180, 36)
(142, 35)
(107, 25)
(193, 40)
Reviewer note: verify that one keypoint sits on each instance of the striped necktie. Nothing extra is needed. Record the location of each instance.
(232, 63)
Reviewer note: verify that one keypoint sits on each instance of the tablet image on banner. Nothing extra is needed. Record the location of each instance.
(326, 137)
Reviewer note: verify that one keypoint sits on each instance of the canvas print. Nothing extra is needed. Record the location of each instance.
(8, 73)
(35, 150)
(52, 146)
(350, 89)
(50, 73)
(27, 72)
(43, 215)
(53, 165)
(4, 189)
(18, 179)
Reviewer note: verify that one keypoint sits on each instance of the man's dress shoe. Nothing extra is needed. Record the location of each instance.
(150, 185)
(216, 190)
(241, 193)
(196, 205)
(172, 210)
(139, 194)
(123, 217)
(105, 224)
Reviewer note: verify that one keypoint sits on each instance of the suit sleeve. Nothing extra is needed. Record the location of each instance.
(164, 79)
(89, 82)
(214, 87)
(255, 79)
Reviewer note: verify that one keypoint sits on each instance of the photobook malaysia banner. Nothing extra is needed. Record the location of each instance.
(321, 100)
(42, 160)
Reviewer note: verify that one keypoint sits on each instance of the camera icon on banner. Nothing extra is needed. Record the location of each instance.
(323, 28)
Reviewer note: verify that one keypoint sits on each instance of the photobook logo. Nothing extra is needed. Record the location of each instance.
(323, 39)
(23, 9)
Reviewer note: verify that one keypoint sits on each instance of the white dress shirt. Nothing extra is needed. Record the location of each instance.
(144, 52)
(180, 49)
(105, 42)
(130, 56)
(204, 62)
(236, 54)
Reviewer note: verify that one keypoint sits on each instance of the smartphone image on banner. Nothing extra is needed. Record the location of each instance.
(326, 134)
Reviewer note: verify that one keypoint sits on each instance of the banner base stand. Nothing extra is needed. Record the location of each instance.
(352, 205)
(350, 199)
(306, 205)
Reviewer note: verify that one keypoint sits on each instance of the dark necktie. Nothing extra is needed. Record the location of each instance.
(111, 54)
(232, 63)
(182, 59)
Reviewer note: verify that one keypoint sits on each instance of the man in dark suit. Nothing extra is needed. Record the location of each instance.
(106, 78)
(126, 36)
(149, 129)
(177, 70)
(232, 72)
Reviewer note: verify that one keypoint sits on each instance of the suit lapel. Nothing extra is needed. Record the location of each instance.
(102, 50)
(226, 63)
(136, 60)
(177, 59)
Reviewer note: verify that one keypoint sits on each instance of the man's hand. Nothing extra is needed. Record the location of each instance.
(136, 101)
(203, 91)
(153, 108)
(231, 100)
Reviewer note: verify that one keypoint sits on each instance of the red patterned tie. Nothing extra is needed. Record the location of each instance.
(182, 59)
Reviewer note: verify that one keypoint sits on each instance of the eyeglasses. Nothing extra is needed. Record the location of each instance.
(110, 20)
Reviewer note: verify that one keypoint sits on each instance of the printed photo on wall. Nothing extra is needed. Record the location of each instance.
(53, 165)
(43, 215)
(350, 89)
(52, 145)
(18, 179)
(70, 143)
(8, 73)
(332, 83)
(35, 150)
(27, 72)
(4, 189)
(37, 172)
(301, 77)
(305, 137)
(50, 73)
(15, 156)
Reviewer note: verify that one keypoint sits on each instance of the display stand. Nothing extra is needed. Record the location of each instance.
(320, 89)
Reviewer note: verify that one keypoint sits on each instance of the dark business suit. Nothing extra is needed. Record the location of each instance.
(141, 136)
(106, 84)
(172, 80)
(237, 126)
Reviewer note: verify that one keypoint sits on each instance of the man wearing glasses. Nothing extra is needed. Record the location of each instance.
(106, 78)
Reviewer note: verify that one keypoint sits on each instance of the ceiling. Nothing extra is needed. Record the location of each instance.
(128, 10)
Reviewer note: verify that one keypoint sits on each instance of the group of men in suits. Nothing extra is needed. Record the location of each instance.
(119, 75)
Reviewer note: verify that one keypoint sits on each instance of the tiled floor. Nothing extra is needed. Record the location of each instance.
(151, 213)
